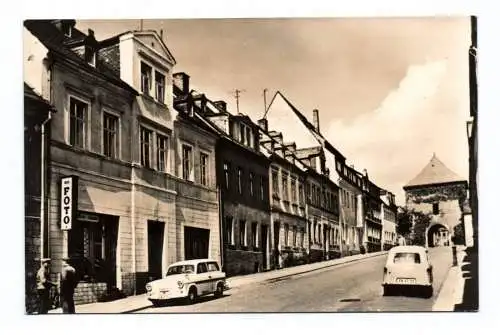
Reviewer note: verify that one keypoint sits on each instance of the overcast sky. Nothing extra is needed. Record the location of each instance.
(390, 92)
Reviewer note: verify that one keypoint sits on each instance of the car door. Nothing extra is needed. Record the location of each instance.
(214, 275)
(202, 278)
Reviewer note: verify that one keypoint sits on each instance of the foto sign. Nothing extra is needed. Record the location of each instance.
(69, 187)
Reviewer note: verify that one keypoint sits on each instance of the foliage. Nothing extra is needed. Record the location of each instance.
(412, 225)
(459, 234)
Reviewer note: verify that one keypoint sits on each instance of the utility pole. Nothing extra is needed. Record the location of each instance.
(265, 101)
(237, 96)
(142, 24)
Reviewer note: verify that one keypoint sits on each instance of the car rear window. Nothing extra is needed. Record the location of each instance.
(407, 257)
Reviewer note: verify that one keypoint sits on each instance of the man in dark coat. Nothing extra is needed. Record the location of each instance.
(69, 282)
(43, 285)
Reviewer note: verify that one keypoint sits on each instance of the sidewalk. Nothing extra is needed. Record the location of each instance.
(452, 289)
(138, 302)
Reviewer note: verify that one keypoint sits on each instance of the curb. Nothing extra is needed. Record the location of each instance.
(321, 267)
(451, 290)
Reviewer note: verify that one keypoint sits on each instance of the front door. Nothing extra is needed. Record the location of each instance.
(196, 242)
(263, 241)
(155, 249)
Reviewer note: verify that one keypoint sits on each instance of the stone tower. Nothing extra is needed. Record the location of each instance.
(438, 191)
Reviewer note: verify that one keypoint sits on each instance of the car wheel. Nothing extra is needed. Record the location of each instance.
(158, 303)
(192, 295)
(219, 291)
(428, 292)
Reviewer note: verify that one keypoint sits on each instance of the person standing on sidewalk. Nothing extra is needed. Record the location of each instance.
(68, 285)
(43, 285)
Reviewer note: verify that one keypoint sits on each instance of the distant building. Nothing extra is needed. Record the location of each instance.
(372, 237)
(389, 218)
(440, 192)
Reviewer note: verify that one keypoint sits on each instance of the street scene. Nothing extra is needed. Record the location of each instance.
(250, 165)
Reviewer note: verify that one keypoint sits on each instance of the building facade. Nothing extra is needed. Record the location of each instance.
(388, 213)
(289, 240)
(372, 238)
(441, 193)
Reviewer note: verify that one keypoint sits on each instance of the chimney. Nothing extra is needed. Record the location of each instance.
(316, 120)
(91, 33)
(181, 80)
(161, 34)
(221, 105)
(263, 124)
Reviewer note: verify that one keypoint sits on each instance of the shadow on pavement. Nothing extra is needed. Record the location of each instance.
(470, 273)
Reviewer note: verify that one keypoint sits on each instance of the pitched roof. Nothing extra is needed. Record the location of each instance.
(30, 93)
(435, 172)
(53, 39)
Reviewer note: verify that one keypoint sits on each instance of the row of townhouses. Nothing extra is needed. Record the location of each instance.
(128, 170)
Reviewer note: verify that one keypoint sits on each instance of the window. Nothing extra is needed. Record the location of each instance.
(294, 236)
(284, 185)
(301, 193)
(243, 233)
(228, 230)
(286, 235)
(201, 268)
(161, 153)
(227, 171)
(146, 73)
(180, 269)
(212, 266)
(293, 186)
(204, 169)
(407, 257)
(240, 175)
(160, 86)
(250, 177)
(275, 183)
(90, 55)
(146, 147)
(262, 188)
(435, 208)
(302, 233)
(78, 122)
(187, 162)
(254, 234)
(110, 135)
(242, 133)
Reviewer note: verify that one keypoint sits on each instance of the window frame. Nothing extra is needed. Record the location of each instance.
(165, 151)
(243, 238)
(156, 82)
(240, 179)
(150, 77)
(226, 167)
(150, 146)
(190, 176)
(251, 181)
(87, 119)
(107, 112)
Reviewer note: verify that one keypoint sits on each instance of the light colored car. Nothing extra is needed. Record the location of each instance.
(408, 266)
(188, 280)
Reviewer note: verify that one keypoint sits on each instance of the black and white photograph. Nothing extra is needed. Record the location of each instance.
(250, 165)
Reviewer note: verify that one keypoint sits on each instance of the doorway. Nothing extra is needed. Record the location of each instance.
(155, 248)
(263, 241)
(196, 242)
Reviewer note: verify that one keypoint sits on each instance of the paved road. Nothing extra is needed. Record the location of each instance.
(352, 287)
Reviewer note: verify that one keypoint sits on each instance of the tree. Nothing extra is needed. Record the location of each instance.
(404, 222)
(422, 221)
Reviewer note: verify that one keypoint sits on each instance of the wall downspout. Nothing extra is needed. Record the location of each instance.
(43, 180)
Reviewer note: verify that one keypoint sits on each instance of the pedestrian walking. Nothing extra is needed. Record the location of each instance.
(43, 285)
(68, 285)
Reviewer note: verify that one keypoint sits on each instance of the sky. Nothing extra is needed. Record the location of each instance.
(390, 92)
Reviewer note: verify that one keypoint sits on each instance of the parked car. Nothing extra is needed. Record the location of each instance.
(188, 280)
(408, 267)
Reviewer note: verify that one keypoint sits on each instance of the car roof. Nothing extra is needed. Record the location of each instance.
(193, 261)
(408, 248)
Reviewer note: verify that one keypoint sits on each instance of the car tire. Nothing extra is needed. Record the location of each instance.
(158, 303)
(428, 292)
(192, 295)
(219, 291)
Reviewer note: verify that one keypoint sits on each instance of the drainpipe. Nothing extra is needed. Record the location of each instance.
(221, 228)
(43, 180)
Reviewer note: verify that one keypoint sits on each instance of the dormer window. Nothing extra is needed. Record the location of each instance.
(246, 135)
(67, 29)
(146, 74)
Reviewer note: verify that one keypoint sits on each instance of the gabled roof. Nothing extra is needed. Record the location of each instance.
(115, 39)
(435, 172)
(319, 137)
(53, 39)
